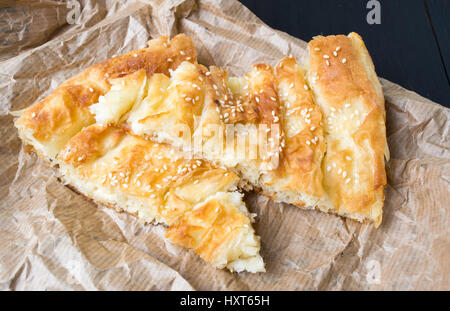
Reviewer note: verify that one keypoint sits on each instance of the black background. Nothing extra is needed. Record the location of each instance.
(410, 47)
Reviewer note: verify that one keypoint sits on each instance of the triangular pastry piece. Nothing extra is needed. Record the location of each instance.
(199, 203)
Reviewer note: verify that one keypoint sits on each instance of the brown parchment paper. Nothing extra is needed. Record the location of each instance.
(52, 238)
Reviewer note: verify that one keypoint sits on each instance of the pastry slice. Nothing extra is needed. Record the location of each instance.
(199, 203)
(50, 123)
(350, 97)
(312, 138)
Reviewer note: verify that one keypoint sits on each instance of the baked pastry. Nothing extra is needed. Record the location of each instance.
(351, 99)
(50, 123)
(199, 203)
(160, 136)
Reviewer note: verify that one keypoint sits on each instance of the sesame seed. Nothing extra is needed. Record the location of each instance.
(347, 180)
(335, 53)
(91, 90)
(312, 128)
(347, 105)
(348, 158)
(196, 182)
(326, 56)
(257, 99)
(188, 58)
(344, 174)
(316, 49)
(135, 55)
(33, 114)
(207, 73)
(338, 48)
(328, 63)
(170, 60)
(308, 142)
(291, 85)
(344, 60)
(273, 98)
(182, 53)
(329, 168)
(333, 109)
(305, 87)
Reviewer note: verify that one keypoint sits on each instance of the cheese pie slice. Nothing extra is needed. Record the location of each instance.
(199, 203)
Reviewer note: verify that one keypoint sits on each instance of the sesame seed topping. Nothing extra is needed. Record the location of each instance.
(291, 85)
(135, 55)
(316, 49)
(348, 158)
(347, 105)
(305, 87)
(344, 60)
(170, 60)
(207, 73)
(335, 53)
(182, 53)
(328, 63)
(326, 56)
(33, 114)
(312, 128)
(329, 168)
(347, 180)
(91, 90)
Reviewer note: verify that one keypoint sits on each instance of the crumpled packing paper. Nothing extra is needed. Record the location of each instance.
(52, 238)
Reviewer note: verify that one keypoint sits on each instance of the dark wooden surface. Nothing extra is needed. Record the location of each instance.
(410, 47)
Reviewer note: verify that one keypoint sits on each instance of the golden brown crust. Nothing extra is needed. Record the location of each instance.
(351, 99)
